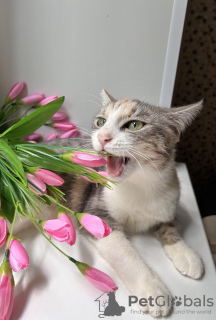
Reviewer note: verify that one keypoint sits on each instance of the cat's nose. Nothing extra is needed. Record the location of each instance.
(104, 138)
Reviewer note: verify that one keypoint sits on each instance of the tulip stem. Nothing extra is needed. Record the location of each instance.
(6, 254)
(12, 227)
(72, 259)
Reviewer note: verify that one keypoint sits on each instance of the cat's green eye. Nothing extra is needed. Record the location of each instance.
(101, 122)
(134, 125)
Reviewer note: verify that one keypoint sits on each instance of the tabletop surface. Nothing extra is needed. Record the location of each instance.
(52, 287)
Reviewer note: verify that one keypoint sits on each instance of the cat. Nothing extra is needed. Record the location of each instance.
(143, 139)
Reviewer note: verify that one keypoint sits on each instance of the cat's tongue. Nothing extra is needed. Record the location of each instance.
(114, 166)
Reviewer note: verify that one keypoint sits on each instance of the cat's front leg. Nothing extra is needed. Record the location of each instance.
(137, 276)
(185, 259)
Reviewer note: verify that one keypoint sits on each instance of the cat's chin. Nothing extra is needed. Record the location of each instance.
(116, 165)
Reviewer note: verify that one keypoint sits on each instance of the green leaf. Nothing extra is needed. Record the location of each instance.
(33, 121)
(10, 191)
(8, 209)
(35, 159)
(14, 161)
(46, 200)
(37, 149)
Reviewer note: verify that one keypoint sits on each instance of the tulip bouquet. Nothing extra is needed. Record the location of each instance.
(28, 179)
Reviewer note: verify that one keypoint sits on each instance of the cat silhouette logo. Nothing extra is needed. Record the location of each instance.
(108, 306)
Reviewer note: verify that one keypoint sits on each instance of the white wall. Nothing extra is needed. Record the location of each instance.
(77, 47)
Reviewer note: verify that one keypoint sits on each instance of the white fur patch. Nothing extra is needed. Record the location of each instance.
(143, 200)
(186, 260)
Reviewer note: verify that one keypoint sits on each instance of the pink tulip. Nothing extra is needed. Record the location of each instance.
(15, 91)
(72, 232)
(102, 173)
(48, 177)
(37, 182)
(10, 307)
(18, 256)
(6, 290)
(46, 100)
(32, 137)
(85, 159)
(3, 229)
(32, 141)
(33, 98)
(59, 116)
(58, 229)
(51, 136)
(98, 278)
(69, 134)
(65, 126)
(94, 225)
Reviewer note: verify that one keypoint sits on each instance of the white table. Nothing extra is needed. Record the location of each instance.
(53, 289)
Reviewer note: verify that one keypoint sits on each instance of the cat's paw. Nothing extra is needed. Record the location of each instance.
(159, 299)
(186, 261)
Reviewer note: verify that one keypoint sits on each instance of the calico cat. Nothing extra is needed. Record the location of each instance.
(143, 139)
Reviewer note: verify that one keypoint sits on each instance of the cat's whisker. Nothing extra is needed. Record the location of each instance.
(86, 133)
(90, 94)
(136, 161)
(84, 129)
(93, 102)
(146, 158)
(162, 149)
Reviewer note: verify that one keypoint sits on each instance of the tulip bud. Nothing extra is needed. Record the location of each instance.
(48, 177)
(18, 256)
(102, 173)
(72, 232)
(59, 116)
(69, 134)
(98, 278)
(6, 289)
(51, 136)
(85, 159)
(46, 100)
(58, 229)
(32, 137)
(15, 91)
(94, 225)
(37, 182)
(64, 126)
(33, 98)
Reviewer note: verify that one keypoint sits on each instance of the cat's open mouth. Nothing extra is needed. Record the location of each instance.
(116, 165)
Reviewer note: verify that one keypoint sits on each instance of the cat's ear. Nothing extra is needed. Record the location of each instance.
(106, 97)
(182, 117)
